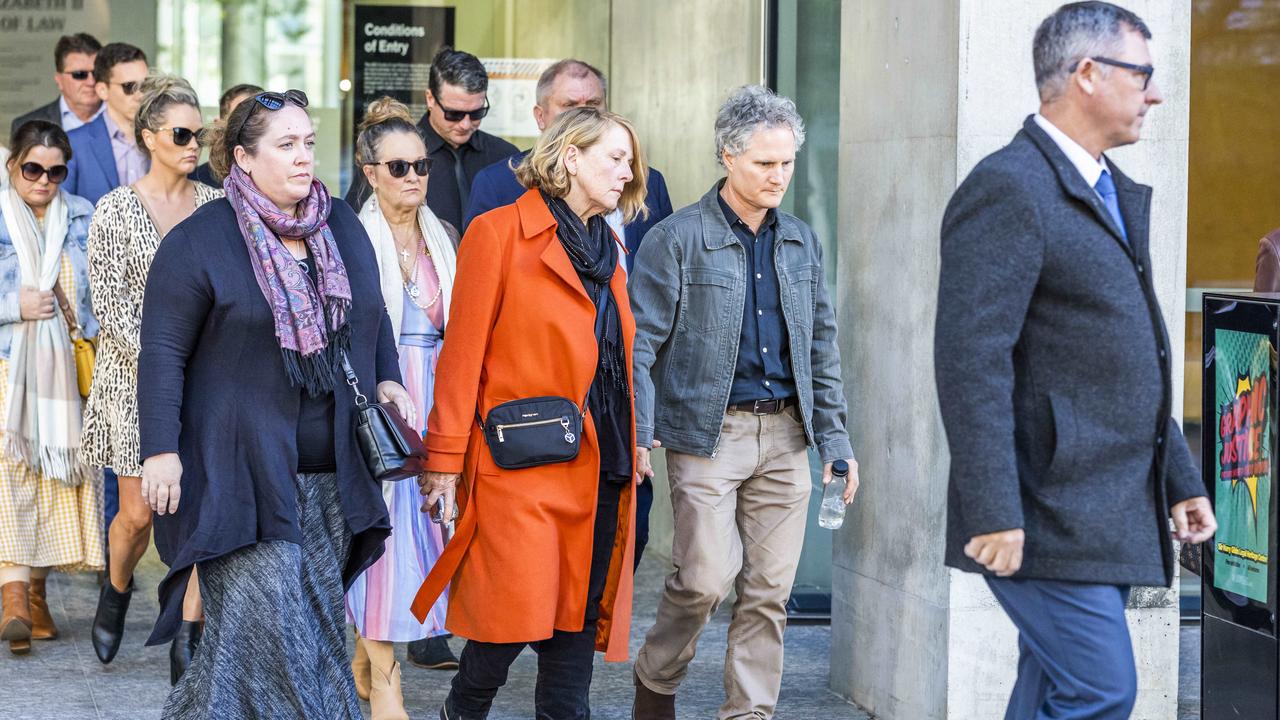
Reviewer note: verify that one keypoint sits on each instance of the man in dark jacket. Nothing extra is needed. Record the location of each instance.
(1053, 372)
(457, 100)
(78, 101)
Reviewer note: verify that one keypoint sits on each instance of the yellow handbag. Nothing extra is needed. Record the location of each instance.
(84, 350)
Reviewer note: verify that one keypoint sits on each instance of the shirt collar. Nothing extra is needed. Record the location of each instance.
(66, 110)
(1084, 163)
(434, 142)
(770, 215)
(113, 131)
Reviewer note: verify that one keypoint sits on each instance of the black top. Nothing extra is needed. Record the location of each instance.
(204, 173)
(443, 196)
(763, 371)
(315, 414)
(217, 394)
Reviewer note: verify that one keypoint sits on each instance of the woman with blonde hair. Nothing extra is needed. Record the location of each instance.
(417, 254)
(534, 415)
(127, 228)
(50, 499)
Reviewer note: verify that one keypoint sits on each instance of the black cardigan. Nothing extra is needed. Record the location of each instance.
(212, 388)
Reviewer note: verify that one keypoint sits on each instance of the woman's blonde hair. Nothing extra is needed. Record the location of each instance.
(159, 94)
(543, 168)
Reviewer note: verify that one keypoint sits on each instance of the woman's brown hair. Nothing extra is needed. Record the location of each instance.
(222, 148)
(37, 133)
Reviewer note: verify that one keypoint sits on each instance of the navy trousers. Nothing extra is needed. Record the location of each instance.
(1076, 659)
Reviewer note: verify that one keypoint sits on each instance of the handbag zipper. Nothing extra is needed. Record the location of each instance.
(563, 421)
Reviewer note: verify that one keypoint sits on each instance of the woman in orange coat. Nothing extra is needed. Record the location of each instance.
(542, 556)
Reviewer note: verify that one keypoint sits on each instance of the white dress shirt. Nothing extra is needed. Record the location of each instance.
(1089, 168)
(71, 121)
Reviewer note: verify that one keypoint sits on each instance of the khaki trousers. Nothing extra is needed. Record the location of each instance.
(739, 522)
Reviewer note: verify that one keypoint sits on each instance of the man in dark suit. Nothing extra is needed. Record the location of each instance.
(567, 84)
(457, 100)
(105, 153)
(1054, 377)
(77, 102)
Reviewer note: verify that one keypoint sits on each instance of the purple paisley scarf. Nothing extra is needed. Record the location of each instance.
(311, 326)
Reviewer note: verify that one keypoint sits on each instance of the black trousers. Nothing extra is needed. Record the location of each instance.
(564, 660)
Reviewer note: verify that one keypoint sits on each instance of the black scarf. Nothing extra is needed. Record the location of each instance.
(594, 254)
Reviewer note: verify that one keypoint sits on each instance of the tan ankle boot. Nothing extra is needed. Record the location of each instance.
(15, 623)
(360, 668)
(42, 627)
(385, 700)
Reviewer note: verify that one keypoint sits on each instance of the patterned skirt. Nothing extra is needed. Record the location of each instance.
(274, 643)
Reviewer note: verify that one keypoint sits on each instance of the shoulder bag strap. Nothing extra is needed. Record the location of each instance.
(362, 402)
(67, 313)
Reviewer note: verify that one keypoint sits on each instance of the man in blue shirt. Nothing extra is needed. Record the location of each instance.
(567, 84)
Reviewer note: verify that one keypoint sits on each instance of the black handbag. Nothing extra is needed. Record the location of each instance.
(391, 448)
(533, 431)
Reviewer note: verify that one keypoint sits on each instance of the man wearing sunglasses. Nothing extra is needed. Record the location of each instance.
(457, 100)
(78, 102)
(105, 154)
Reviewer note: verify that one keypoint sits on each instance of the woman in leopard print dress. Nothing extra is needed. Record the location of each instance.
(127, 227)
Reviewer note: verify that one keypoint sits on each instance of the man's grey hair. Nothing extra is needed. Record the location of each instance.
(751, 108)
(576, 69)
(1074, 32)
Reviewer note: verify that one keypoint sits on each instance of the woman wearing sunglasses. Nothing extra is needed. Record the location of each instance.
(249, 454)
(127, 227)
(50, 499)
(416, 255)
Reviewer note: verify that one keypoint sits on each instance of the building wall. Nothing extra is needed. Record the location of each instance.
(929, 89)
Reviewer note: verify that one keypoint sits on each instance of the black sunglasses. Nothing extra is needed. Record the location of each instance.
(130, 87)
(80, 75)
(32, 171)
(400, 168)
(270, 101)
(457, 115)
(182, 137)
(1146, 70)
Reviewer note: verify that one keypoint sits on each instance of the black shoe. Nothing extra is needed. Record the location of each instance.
(433, 654)
(183, 649)
(108, 621)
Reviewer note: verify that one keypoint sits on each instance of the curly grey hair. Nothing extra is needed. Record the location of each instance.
(159, 93)
(1074, 32)
(750, 108)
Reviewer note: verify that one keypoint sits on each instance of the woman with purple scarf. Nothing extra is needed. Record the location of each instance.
(249, 460)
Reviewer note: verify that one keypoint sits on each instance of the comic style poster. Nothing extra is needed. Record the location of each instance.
(1242, 496)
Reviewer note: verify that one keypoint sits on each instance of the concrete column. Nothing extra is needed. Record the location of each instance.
(927, 90)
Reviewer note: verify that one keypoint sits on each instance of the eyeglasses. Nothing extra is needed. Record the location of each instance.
(457, 115)
(182, 137)
(31, 172)
(130, 87)
(400, 168)
(80, 75)
(271, 101)
(1147, 70)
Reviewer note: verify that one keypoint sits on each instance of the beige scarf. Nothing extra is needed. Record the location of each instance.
(42, 417)
(384, 248)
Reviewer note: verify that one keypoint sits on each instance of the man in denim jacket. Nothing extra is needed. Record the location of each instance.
(736, 373)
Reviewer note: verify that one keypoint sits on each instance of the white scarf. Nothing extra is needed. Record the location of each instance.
(42, 417)
(384, 248)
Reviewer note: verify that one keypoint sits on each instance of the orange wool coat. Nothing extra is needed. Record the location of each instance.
(521, 325)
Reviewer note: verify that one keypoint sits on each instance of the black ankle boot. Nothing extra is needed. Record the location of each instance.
(183, 649)
(108, 621)
(432, 654)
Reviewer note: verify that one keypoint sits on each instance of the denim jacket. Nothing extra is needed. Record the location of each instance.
(687, 291)
(79, 211)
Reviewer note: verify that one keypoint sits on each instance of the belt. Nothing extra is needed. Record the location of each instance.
(764, 407)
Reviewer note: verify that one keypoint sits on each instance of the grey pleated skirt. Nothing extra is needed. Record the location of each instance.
(274, 643)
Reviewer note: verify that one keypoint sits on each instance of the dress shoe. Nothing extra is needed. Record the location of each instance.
(183, 649)
(650, 705)
(15, 622)
(432, 653)
(42, 627)
(108, 621)
(360, 670)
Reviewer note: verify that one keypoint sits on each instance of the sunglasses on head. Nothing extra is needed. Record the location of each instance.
(31, 172)
(457, 115)
(400, 168)
(80, 75)
(130, 87)
(182, 137)
(270, 101)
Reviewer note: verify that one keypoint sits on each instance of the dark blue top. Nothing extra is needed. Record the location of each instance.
(496, 186)
(216, 393)
(763, 371)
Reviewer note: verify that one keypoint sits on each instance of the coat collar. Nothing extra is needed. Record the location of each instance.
(102, 149)
(1135, 199)
(535, 221)
(717, 234)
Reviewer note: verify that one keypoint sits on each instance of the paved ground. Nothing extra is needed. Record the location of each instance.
(64, 680)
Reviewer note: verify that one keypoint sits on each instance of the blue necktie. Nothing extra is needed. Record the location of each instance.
(1106, 187)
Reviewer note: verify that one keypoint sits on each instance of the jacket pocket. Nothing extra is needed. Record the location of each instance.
(704, 305)
(802, 286)
(1064, 439)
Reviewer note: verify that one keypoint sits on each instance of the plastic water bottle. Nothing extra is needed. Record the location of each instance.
(831, 515)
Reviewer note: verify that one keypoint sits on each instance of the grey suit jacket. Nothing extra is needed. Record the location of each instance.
(1053, 370)
(51, 112)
